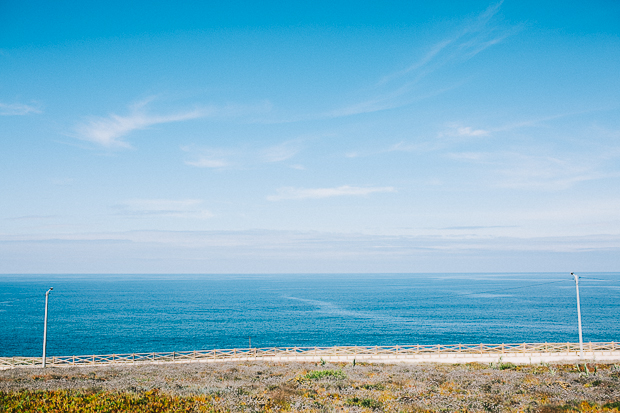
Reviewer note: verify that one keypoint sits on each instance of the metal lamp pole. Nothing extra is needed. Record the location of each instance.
(47, 295)
(578, 315)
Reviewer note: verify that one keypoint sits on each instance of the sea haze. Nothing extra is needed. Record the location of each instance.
(104, 314)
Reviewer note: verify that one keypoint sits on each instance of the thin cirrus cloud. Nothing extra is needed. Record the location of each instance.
(475, 36)
(535, 172)
(404, 87)
(318, 193)
(468, 131)
(204, 162)
(111, 131)
(218, 158)
(281, 152)
(17, 109)
(454, 131)
(208, 157)
(184, 208)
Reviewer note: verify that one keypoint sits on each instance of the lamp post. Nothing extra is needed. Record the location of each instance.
(47, 295)
(578, 315)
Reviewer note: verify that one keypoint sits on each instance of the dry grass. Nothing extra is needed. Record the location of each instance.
(273, 387)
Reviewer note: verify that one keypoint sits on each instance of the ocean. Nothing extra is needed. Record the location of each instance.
(106, 314)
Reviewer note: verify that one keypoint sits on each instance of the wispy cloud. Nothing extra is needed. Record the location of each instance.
(404, 87)
(185, 208)
(17, 109)
(475, 36)
(251, 252)
(317, 193)
(218, 158)
(110, 131)
(281, 152)
(443, 139)
(387, 100)
(468, 131)
(402, 146)
(204, 162)
(33, 217)
(526, 171)
(208, 157)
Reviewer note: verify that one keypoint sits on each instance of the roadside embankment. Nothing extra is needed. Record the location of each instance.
(252, 386)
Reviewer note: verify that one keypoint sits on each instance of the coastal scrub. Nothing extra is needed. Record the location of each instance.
(314, 387)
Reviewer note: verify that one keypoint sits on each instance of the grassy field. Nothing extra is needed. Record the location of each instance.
(318, 387)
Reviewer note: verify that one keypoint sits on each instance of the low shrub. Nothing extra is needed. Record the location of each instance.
(369, 403)
(321, 374)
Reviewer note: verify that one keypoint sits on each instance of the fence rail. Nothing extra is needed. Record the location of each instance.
(301, 353)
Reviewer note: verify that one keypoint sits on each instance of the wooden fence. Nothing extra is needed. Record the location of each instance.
(306, 353)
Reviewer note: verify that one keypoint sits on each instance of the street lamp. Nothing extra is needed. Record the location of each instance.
(47, 295)
(578, 315)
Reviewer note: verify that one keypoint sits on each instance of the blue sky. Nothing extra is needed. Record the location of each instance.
(141, 137)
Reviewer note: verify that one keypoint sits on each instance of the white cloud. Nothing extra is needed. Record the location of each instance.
(186, 208)
(467, 131)
(539, 172)
(545, 173)
(317, 193)
(211, 157)
(223, 157)
(461, 132)
(110, 131)
(33, 217)
(475, 36)
(402, 87)
(17, 109)
(208, 163)
(281, 152)
(397, 147)
(263, 251)
(469, 156)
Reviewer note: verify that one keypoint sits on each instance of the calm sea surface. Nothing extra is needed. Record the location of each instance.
(102, 314)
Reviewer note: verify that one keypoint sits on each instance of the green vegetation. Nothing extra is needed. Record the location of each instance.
(502, 366)
(369, 403)
(257, 387)
(83, 402)
(321, 374)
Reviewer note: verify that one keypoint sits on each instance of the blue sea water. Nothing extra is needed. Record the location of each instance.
(104, 314)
